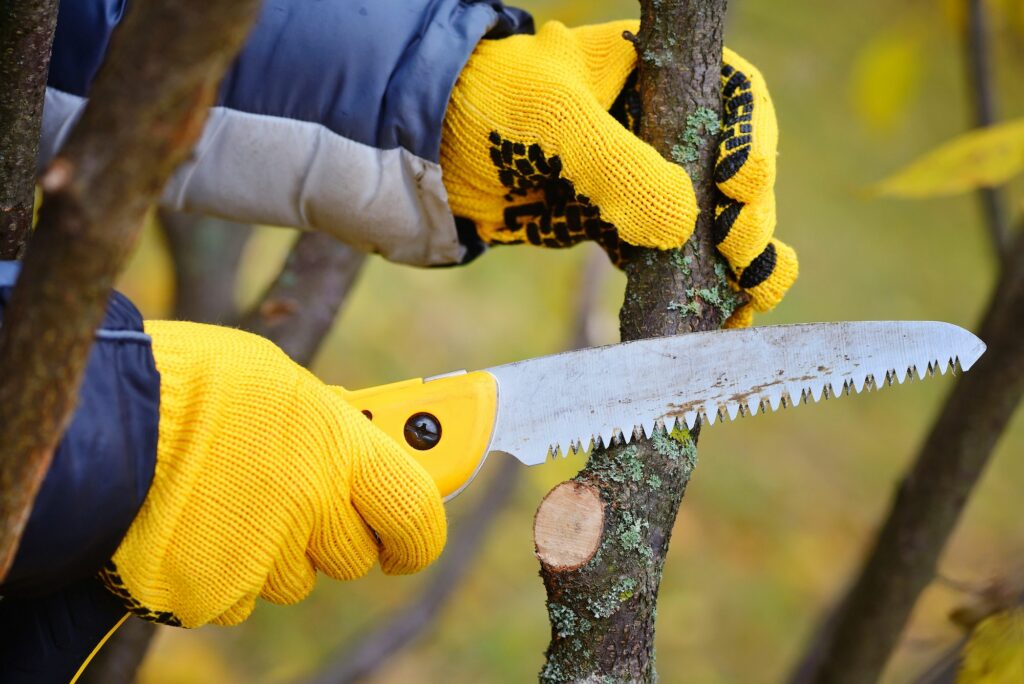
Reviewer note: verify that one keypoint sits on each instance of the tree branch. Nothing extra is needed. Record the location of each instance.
(146, 109)
(205, 253)
(298, 309)
(602, 598)
(979, 77)
(931, 497)
(371, 651)
(858, 637)
(26, 32)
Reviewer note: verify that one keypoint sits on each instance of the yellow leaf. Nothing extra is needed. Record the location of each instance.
(981, 158)
(884, 78)
(994, 654)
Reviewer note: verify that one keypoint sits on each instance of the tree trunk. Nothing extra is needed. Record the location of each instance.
(26, 33)
(147, 107)
(602, 538)
(862, 634)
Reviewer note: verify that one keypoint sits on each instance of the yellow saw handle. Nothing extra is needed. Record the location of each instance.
(445, 423)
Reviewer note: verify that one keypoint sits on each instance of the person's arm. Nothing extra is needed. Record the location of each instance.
(426, 130)
(330, 118)
(202, 469)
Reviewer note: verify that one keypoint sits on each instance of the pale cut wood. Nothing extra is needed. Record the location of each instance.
(568, 525)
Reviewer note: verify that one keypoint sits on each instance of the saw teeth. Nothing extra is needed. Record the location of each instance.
(754, 405)
(858, 382)
(787, 395)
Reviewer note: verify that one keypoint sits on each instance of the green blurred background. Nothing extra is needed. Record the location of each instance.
(780, 508)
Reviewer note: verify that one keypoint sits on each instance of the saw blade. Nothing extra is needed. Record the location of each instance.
(569, 401)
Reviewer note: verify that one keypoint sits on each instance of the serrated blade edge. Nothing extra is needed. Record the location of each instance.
(547, 405)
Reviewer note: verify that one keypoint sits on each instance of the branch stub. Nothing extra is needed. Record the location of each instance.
(568, 525)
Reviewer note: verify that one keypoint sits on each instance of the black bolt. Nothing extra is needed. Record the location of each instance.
(422, 431)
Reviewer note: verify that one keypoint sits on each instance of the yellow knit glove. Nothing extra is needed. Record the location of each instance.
(538, 146)
(264, 475)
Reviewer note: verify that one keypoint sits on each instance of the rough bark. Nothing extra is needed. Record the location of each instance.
(299, 307)
(97, 191)
(205, 254)
(26, 32)
(602, 613)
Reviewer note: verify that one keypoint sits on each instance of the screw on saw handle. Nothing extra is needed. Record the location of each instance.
(444, 423)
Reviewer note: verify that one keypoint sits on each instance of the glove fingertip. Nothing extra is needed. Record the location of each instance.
(775, 272)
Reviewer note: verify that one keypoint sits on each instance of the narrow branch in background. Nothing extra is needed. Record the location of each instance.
(977, 38)
(298, 309)
(205, 254)
(929, 501)
(26, 33)
(98, 189)
(372, 651)
(602, 607)
(858, 638)
(122, 655)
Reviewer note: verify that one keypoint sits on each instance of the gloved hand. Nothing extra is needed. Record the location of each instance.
(264, 475)
(531, 153)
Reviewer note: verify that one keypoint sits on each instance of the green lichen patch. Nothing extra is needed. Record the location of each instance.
(680, 261)
(699, 123)
(552, 672)
(722, 298)
(563, 619)
(624, 466)
(688, 309)
(631, 533)
(608, 603)
(676, 445)
(654, 482)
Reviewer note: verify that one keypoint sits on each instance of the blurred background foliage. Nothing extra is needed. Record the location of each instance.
(780, 509)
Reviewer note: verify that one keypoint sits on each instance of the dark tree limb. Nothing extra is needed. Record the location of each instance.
(26, 34)
(298, 309)
(602, 609)
(205, 254)
(977, 37)
(859, 635)
(128, 142)
(930, 499)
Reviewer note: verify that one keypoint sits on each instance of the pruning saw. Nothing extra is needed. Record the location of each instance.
(539, 408)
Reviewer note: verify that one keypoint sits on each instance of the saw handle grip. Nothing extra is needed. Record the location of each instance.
(444, 423)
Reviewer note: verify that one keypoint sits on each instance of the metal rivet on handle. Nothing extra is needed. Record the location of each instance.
(422, 431)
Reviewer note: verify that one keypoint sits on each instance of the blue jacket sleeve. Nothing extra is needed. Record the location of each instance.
(330, 118)
(103, 466)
